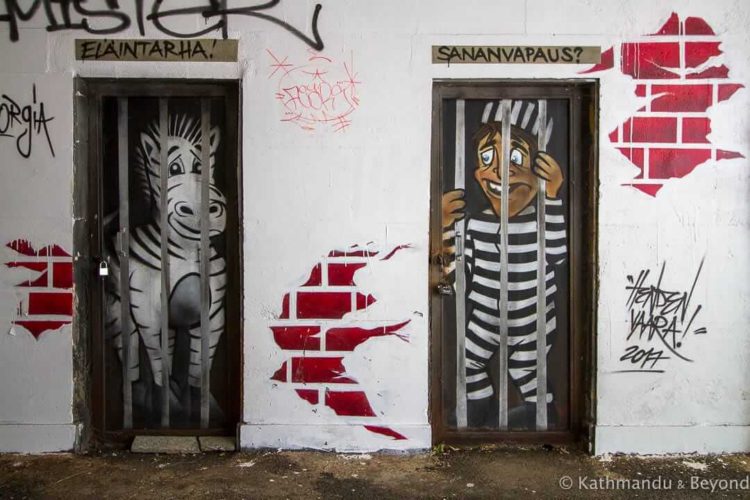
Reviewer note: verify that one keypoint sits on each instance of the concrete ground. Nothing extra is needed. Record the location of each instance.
(485, 472)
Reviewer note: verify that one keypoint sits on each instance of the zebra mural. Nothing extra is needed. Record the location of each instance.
(182, 360)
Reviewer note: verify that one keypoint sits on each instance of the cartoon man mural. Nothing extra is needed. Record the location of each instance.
(483, 261)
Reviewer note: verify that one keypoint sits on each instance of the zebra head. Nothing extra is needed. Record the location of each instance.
(184, 160)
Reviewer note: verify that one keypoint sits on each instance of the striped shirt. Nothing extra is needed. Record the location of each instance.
(483, 264)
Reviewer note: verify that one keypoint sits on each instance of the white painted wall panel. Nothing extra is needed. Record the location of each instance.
(308, 192)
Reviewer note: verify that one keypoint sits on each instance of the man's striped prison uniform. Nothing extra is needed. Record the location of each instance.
(482, 257)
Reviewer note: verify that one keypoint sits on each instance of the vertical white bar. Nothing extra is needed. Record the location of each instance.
(204, 260)
(541, 283)
(124, 208)
(324, 274)
(164, 230)
(502, 348)
(459, 183)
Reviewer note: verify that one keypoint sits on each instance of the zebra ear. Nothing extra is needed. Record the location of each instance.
(150, 148)
(214, 138)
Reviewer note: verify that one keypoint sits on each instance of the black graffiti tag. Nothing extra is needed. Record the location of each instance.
(660, 320)
(60, 16)
(23, 122)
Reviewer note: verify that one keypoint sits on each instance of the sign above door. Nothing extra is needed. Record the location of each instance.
(515, 54)
(169, 50)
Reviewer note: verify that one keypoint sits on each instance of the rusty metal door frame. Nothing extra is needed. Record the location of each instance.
(90, 397)
(582, 95)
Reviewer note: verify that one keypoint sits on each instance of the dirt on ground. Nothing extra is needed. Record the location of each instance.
(480, 472)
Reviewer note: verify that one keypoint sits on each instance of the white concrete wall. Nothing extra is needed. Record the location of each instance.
(306, 193)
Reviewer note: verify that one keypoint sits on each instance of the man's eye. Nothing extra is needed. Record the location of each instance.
(487, 156)
(516, 157)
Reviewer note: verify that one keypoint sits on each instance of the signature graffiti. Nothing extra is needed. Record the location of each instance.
(319, 92)
(60, 16)
(660, 321)
(23, 122)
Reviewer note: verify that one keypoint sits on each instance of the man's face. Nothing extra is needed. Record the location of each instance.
(522, 183)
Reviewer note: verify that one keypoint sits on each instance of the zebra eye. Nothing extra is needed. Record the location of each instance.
(175, 168)
(516, 157)
(487, 156)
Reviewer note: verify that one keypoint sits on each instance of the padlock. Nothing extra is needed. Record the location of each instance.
(103, 269)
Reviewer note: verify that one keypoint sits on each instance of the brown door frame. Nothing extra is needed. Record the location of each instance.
(583, 95)
(89, 396)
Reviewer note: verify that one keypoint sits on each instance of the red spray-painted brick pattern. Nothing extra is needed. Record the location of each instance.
(677, 74)
(47, 302)
(313, 327)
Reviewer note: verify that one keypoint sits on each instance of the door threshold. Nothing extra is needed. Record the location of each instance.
(182, 444)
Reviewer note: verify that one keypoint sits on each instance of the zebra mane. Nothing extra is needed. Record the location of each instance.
(147, 172)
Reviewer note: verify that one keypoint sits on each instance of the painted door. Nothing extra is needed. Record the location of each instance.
(507, 158)
(167, 341)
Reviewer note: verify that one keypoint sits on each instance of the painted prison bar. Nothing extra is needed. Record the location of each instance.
(354, 227)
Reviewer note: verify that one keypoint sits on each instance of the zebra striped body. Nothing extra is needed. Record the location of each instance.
(145, 263)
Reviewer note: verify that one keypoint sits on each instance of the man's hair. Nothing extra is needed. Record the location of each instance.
(491, 128)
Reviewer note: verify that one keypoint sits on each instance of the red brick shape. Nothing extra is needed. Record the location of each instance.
(386, 431)
(671, 131)
(343, 274)
(652, 129)
(696, 130)
(697, 26)
(323, 305)
(697, 53)
(280, 374)
(714, 72)
(309, 395)
(649, 189)
(681, 97)
(315, 369)
(671, 27)
(668, 163)
(48, 293)
(635, 155)
(727, 90)
(348, 338)
(349, 403)
(62, 275)
(319, 325)
(650, 60)
(37, 327)
(51, 303)
(301, 338)
(315, 278)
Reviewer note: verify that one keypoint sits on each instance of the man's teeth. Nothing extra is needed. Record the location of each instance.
(495, 188)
